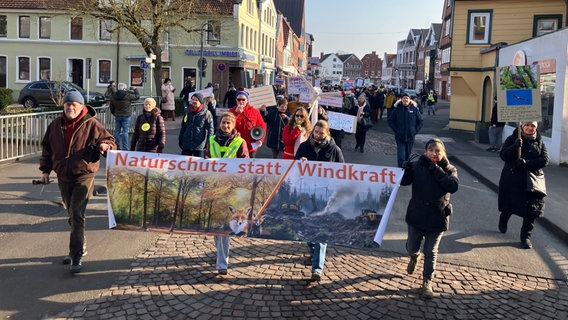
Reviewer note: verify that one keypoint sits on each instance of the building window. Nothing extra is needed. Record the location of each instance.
(44, 65)
(104, 71)
(479, 27)
(136, 76)
(447, 25)
(77, 28)
(44, 27)
(23, 68)
(166, 73)
(546, 23)
(3, 69)
(3, 27)
(24, 26)
(104, 26)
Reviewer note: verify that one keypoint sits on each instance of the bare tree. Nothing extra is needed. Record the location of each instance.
(146, 20)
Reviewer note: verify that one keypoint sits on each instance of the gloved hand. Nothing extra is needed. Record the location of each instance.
(520, 163)
(519, 142)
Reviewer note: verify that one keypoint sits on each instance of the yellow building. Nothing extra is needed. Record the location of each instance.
(479, 30)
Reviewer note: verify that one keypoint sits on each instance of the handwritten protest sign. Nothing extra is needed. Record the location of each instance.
(263, 198)
(518, 94)
(262, 96)
(342, 121)
(332, 99)
(207, 92)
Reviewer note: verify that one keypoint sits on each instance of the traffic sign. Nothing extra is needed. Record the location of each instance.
(221, 67)
(406, 67)
(144, 64)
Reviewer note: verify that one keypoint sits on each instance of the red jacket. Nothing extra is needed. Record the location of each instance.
(249, 118)
(289, 137)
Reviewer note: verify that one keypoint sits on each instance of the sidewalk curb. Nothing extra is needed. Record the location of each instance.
(544, 221)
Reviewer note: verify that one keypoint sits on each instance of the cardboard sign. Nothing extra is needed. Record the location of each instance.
(518, 93)
(251, 197)
(342, 121)
(262, 96)
(332, 99)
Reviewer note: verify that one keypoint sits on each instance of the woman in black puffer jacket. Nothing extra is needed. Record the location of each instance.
(433, 179)
(149, 130)
(513, 197)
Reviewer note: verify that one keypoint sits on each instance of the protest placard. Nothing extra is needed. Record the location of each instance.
(262, 96)
(342, 121)
(518, 93)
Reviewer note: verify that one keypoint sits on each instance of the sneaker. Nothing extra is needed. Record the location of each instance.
(414, 259)
(526, 244)
(490, 149)
(223, 272)
(76, 265)
(316, 277)
(427, 292)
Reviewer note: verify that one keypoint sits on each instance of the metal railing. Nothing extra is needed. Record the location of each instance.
(21, 134)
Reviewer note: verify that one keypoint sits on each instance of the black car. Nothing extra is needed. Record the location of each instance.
(45, 92)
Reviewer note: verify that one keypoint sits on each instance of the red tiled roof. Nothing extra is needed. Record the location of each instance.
(24, 4)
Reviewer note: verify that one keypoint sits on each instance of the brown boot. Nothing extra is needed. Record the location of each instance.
(427, 292)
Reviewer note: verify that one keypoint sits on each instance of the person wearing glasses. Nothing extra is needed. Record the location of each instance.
(319, 147)
(295, 132)
(248, 117)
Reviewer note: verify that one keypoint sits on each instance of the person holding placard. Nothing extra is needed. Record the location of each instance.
(523, 153)
(276, 119)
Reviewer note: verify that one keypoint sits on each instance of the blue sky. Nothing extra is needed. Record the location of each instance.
(363, 26)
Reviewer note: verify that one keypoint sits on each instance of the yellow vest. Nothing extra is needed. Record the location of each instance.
(230, 151)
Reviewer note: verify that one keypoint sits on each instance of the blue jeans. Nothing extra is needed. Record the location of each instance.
(317, 250)
(222, 243)
(121, 127)
(495, 137)
(431, 244)
(403, 151)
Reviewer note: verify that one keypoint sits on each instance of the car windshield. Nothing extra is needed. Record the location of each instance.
(71, 85)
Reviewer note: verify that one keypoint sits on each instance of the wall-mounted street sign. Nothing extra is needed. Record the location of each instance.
(406, 67)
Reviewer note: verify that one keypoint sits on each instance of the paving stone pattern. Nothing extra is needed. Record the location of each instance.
(268, 279)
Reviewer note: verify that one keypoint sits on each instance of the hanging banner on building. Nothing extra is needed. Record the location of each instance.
(339, 203)
(518, 94)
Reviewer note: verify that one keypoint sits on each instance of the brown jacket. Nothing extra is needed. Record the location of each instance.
(83, 156)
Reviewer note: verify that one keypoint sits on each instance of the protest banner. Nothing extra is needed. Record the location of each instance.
(332, 99)
(340, 203)
(261, 96)
(518, 93)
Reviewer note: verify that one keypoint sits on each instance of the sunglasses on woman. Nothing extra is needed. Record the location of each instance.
(299, 116)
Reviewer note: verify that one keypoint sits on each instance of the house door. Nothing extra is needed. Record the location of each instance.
(76, 75)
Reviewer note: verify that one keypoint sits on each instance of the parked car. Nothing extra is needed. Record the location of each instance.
(44, 92)
(411, 93)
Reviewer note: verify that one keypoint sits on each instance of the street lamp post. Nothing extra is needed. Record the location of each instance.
(211, 40)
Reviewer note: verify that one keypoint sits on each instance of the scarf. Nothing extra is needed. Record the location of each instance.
(224, 138)
(70, 125)
(530, 137)
(194, 110)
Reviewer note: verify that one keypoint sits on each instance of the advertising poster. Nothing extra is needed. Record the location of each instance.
(339, 203)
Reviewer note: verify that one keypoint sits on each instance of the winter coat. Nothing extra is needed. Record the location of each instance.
(168, 93)
(230, 99)
(289, 137)
(195, 129)
(405, 122)
(326, 152)
(494, 121)
(121, 101)
(149, 132)
(83, 156)
(429, 208)
(513, 197)
(275, 124)
(249, 118)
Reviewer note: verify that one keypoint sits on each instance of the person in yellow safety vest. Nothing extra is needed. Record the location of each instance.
(432, 99)
(226, 143)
